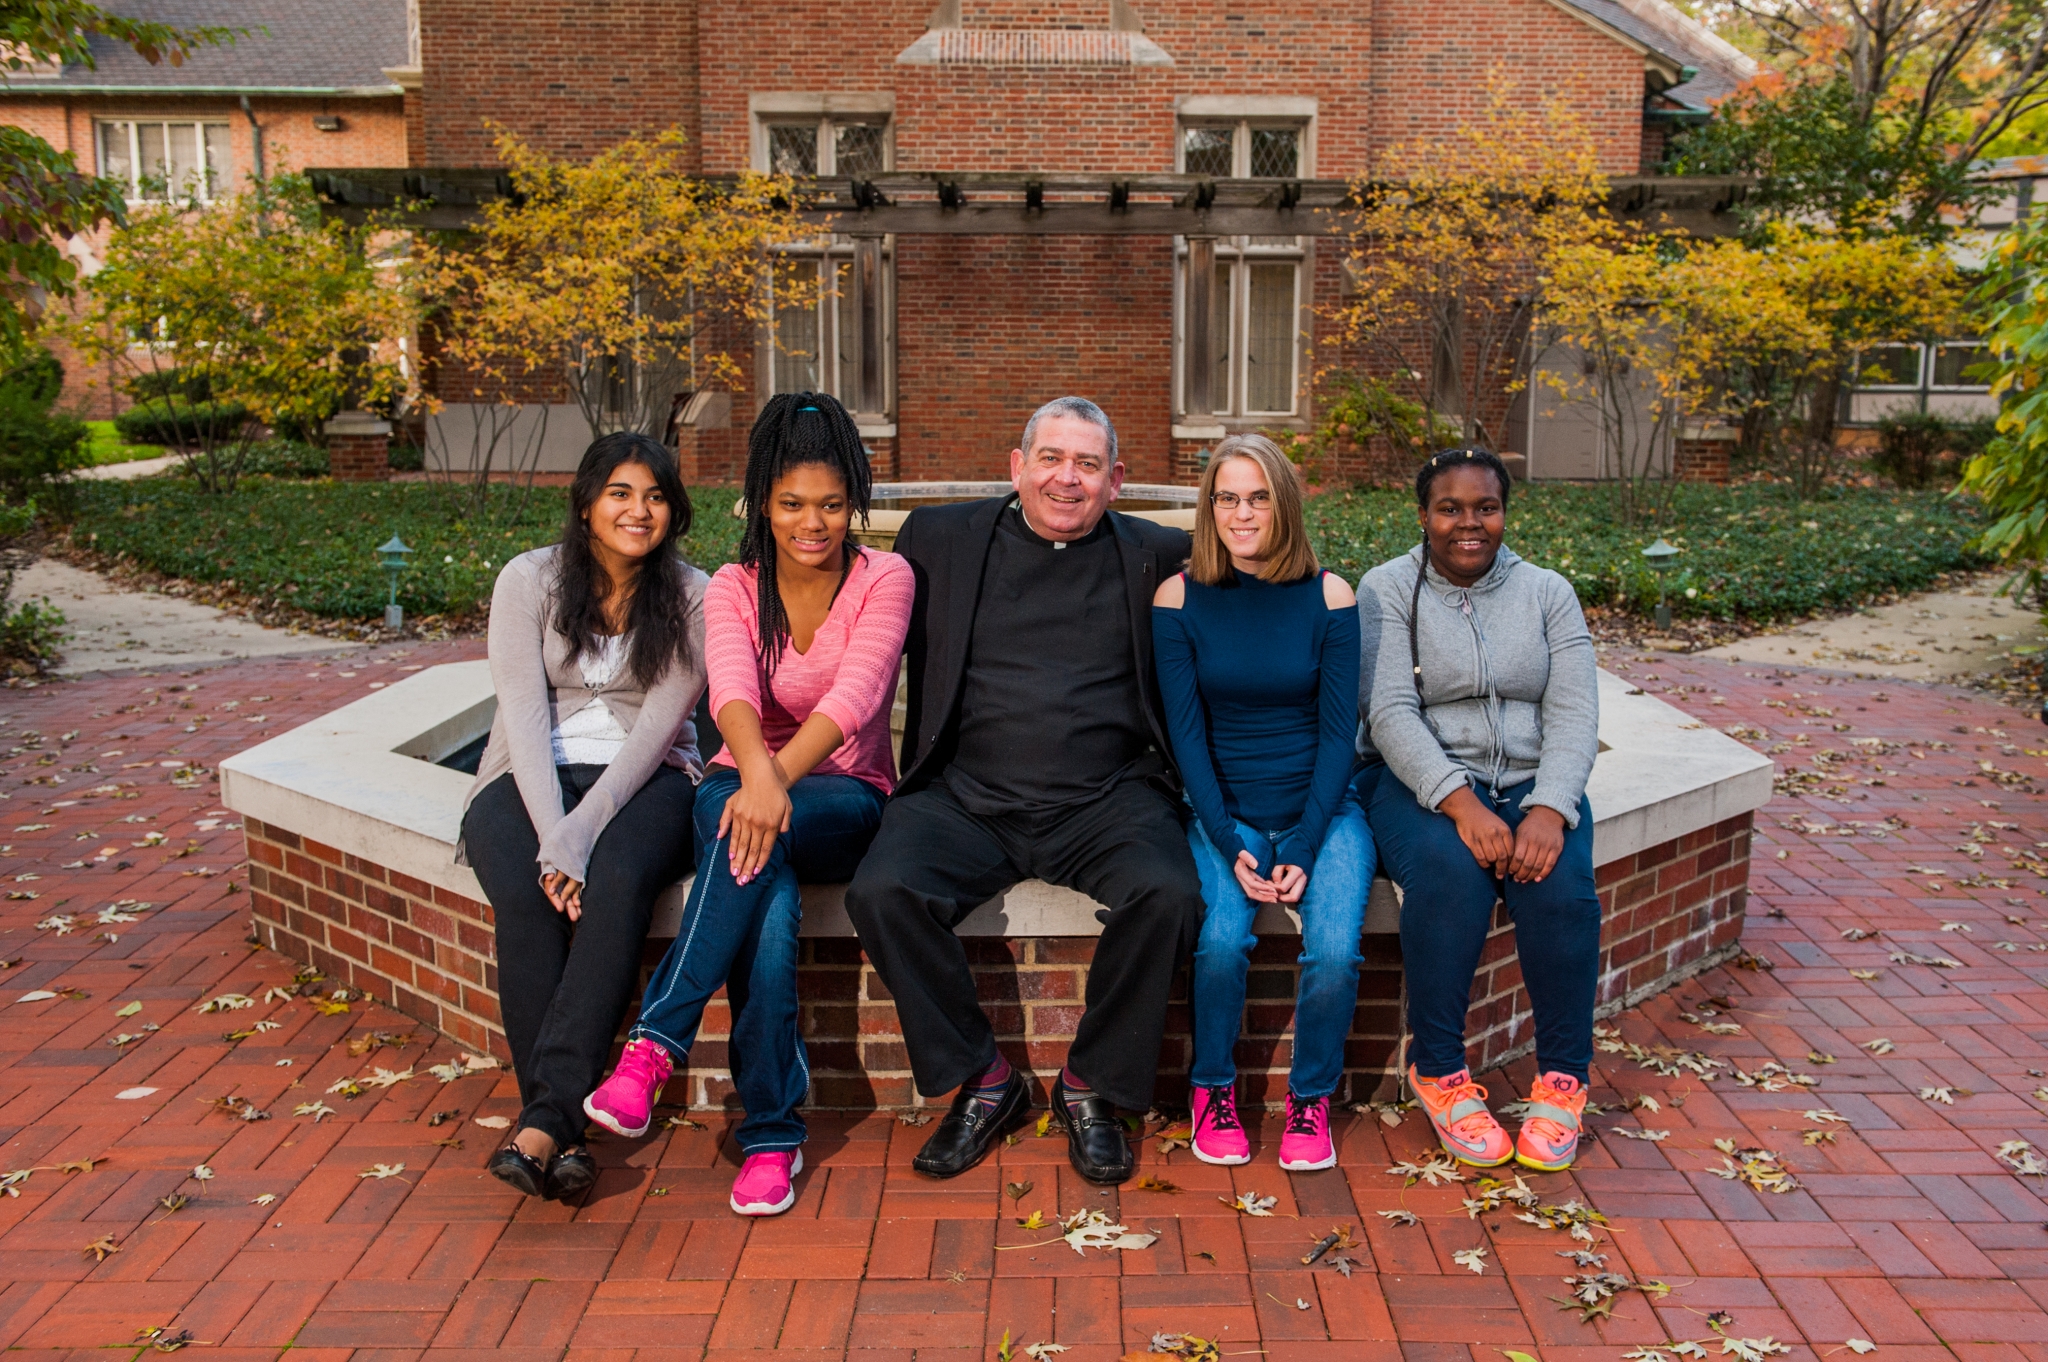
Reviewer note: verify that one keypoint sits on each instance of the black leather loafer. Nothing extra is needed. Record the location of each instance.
(1095, 1136)
(570, 1174)
(518, 1170)
(970, 1130)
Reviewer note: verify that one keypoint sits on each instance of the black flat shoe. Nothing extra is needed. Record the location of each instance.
(1095, 1136)
(570, 1174)
(970, 1129)
(518, 1170)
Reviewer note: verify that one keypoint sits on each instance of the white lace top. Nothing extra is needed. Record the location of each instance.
(590, 734)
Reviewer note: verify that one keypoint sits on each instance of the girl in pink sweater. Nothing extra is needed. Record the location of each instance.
(801, 639)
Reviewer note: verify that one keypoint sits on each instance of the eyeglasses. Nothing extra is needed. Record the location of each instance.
(1261, 500)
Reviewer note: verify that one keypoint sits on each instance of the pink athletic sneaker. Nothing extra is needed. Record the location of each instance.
(1456, 1107)
(624, 1103)
(1550, 1132)
(1218, 1135)
(1305, 1143)
(765, 1184)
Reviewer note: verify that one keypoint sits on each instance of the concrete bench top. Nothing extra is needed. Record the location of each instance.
(364, 780)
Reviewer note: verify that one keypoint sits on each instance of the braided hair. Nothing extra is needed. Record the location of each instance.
(792, 430)
(1438, 464)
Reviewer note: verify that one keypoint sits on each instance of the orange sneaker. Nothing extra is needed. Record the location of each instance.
(1457, 1108)
(1549, 1140)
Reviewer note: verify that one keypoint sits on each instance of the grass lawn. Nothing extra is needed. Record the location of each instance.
(104, 446)
(1751, 552)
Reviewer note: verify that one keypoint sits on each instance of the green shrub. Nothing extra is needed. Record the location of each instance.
(1753, 551)
(1917, 449)
(36, 380)
(313, 544)
(177, 421)
(31, 636)
(1355, 410)
(286, 459)
(407, 458)
(37, 448)
(162, 383)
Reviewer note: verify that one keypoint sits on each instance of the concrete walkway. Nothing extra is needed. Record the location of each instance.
(133, 468)
(1934, 636)
(111, 628)
(201, 1174)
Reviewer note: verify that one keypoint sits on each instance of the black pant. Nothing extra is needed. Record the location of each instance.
(933, 861)
(563, 987)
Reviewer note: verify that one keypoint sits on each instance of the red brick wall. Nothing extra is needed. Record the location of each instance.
(990, 328)
(1669, 912)
(571, 75)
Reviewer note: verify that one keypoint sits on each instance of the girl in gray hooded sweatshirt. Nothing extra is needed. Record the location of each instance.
(1482, 701)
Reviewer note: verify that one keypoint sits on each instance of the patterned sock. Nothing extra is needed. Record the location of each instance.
(1076, 1090)
(993, 1083)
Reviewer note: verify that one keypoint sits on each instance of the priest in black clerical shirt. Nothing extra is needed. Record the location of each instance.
(1034, 746)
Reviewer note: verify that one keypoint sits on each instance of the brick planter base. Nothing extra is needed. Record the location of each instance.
(1669, 912)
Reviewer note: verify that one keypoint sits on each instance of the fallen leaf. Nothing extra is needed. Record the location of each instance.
(1813, 1138)
(1751, 1349)
(495, 1122)
(102, 1247)
(1863, 974)
(1041, 1351)
(1251, 1203)
(1149, 1183)
(129, 1010)
(1474, 1258)
(1654, 1136)
(673, 1122)
(1018, 1190)
(2020, 1156)
(1437, 1169)
(1825, 1116)
(1945, 1096)
(202, 1173)
(1881, 1046)
(1403, 1218)
(226, 1002)
(915, 1118)
(1095, 1230)
(382, 1170)
(1044, 1124)
(1034, 1221)
(176, 1201)
(263, 1200)
(1816, 1057)
(132, 1094)
(1860, 1346)
(319, 1111)
(36, 996)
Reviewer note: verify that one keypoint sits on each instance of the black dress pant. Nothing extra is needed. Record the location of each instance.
(933, 861)
(563, 987)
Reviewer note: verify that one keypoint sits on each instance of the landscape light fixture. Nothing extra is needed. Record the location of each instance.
(1659, 556)
(391, 557)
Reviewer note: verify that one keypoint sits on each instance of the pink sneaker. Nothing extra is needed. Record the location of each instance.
(1305, 1143)
(1218, 1135)
(624, 1103)
(764, 1186)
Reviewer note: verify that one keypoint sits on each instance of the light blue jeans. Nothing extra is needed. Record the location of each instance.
(1332, 916)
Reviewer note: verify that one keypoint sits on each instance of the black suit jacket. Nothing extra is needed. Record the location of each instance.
(947, 547)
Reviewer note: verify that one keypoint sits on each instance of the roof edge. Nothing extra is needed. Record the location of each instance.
(323, 91)
(1663, 63)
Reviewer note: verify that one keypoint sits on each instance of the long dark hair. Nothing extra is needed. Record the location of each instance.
(658, 615)
(794, 429)
(1438, 464)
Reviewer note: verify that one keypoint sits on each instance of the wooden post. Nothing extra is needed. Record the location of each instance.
(1198, 324)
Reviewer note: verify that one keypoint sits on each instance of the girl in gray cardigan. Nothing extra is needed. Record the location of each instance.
(1483, 704)
(580, 814)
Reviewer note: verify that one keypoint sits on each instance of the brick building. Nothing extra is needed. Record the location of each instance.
(308, 84)
(990, 269)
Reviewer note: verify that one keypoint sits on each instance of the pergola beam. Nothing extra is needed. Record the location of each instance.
(988, 204)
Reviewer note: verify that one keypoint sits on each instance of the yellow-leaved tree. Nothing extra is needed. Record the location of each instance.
(1447, 239)
(251, 316)
(1675, 333)
(612, 284)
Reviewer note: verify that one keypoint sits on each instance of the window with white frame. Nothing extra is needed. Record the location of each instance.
(1241, 331)
(1940, 377)
(162, 160)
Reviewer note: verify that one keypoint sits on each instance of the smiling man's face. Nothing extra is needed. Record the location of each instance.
(1067, 479)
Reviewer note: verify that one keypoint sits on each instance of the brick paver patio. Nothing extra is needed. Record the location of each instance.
(1906, 1230)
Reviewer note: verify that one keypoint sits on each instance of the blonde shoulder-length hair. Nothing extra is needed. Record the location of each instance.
(1291, 557)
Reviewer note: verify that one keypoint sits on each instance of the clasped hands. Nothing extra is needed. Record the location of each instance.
(1525, 855)
(1287, 884)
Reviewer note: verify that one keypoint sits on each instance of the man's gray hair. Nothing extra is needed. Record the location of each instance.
(1081, 409)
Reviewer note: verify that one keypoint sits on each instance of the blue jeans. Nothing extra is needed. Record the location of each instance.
(744, 937)
(1332, 916)
(1447, 910)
